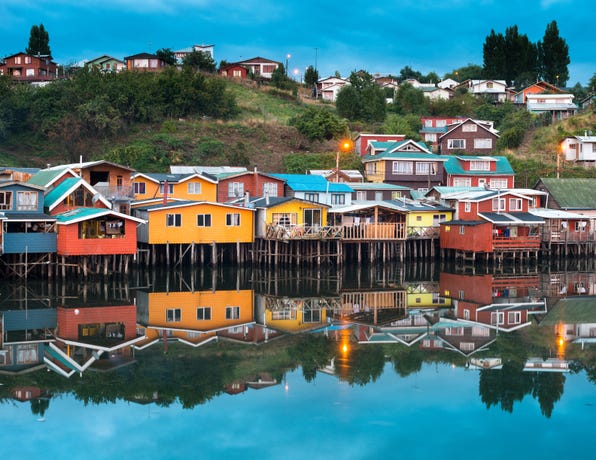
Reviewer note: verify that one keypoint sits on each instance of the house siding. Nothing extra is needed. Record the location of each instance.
(69, 243)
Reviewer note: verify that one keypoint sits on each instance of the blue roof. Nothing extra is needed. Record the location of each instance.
(313, 183)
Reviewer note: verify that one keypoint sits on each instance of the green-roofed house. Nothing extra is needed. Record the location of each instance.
(574, 318)
(493, 172)
(570, 194)
(407, 163)
(50, 178)
(72, 193)
(96, 231)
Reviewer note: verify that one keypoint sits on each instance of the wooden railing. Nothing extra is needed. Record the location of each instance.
(520, 242)
(562, 236)
(359, 232)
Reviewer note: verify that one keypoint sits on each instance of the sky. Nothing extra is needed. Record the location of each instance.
(380, 37)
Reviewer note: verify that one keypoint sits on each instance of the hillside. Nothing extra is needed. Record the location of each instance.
(258, 136)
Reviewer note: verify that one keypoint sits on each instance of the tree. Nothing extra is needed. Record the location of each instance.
(319, 124)
(410, 100)
(362, 99)
(311, 76)
(592, 84)
(199, 60)
(39, 41)
(166, 55)
(407, 72)
(553, 56)
(279, 79)
(469, 72)
(493, 52)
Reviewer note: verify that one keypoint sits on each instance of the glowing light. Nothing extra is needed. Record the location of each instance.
(76, 311)
(346, 145)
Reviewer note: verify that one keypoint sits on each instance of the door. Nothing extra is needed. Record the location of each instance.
(312, 217)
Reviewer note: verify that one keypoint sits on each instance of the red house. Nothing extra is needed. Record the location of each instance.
(232, 186)
(96, 231)
(537, 88)
(469, 136)
(27, 68)
(363, 140)
(233, 71)
(144, 61)
(493, 172)
(492, 222)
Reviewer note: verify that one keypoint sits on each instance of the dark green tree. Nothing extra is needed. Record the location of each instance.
(362, 99)
(39, 41)
(469, 72)
(410, 100)
(553, 56)
(279, 79)
(319, 124)
(493, 52)
(408, 72)
(311, 76)
(592, 84)
(199, 60)
(166, 55)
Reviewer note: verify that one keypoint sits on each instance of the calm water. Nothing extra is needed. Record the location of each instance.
(310, 372)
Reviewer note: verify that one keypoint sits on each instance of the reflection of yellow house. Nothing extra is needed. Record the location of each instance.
(195, 317)
(287, 212)
(425, 295)
(195, 187)
(294, 315)
(198, 222)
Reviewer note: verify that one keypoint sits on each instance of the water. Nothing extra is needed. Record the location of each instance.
(291, 393)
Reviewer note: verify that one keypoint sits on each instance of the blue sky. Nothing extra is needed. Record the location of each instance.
(380, 37)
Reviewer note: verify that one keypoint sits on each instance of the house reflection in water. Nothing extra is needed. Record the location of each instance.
(500, 302)
(573, 320)
(98, 336)
(196, 318)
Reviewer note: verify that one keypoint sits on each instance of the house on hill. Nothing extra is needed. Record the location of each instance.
(106, 64)
(260, 67)
(28, 68)
(493, 172)
(580, 149)
(363, 140)
(558, 106)
(539, 87)
(144, 61)
(469, 136)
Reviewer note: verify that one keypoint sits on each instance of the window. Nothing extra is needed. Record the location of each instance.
(311, 197)
(395, 195)
(236, 73)
(235, 189)
(27, 201)
(462, 182)
(497, 318)
(233, 220)
(498, 204)
(426, 169)
(270, 188)
(338, 198)
(462, 230)
(173, 314)
(139, 188)
(312, 217)
(479, 165)
(17, 60)
(170, 188)
(371, 168)
(311, 316)
(498, 184)
(441, 123)
(456, 144)
(203, 220)
(232, 312)
(467, 346)
(469, 128)
(27, 59)
(361, 195)
(119, 182)
(514, 317)
(203, 313)
(467, 206)
(30, 72)
(284, 219)
(194, 188)
(483, 143)
(489, 84)
(466, 313)
(5, 200)
(173, 220)
(418, 218)
(515, 204)
(580, 226)
(403, 167)
(428, 123)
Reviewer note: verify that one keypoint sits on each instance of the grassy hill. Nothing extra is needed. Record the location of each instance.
(259, 136)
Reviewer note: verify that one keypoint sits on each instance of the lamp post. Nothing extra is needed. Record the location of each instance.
(288, 56)
(345, 146)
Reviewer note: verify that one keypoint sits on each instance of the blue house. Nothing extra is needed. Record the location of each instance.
(26, 229)
(316, 188)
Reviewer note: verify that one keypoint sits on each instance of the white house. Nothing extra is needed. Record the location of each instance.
(580, 149)
(327, 88)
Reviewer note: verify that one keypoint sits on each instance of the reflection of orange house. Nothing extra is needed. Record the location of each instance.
(500, 302)
(195, 317)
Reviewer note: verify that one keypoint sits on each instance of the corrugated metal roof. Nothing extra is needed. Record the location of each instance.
(63, 187)
(313, 183)
(513, 218)
(454, 165)
(572, 193)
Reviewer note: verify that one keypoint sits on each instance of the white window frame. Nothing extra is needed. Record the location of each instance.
(484, 143)
(515, 204)
(235, 189)
(497, 318)
(469, 128)
(338, 198)
(479, 165)
(203, 313)
(426, 168)
(194, 188)
(170, 188)
(139, 188)
(499, 183)
(173, 220)
(206, 220)
(498, 204)
(27, 201)
(270, 188)
(456, 144)
(173, 315)
(361, 195)
(402, 167)
(467, 206)
(513, 317)
(232, 312)
(233, 219)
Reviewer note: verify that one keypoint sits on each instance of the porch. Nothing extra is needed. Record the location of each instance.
(352, 232)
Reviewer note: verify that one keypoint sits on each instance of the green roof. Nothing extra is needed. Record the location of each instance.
(45, 176)
(57, 192)
(570, 193)
(576, 310)
(454, 165)
(404, 156)
(80, 214)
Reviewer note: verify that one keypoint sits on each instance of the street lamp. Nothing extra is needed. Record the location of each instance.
(288, 56)
(345, 146)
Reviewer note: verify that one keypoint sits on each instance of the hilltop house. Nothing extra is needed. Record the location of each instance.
(469, 136)
(28, 68)
(144, 61)
(493, 172)
(260, 67)
(105, 64)
(580, 149)
(327, 88)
